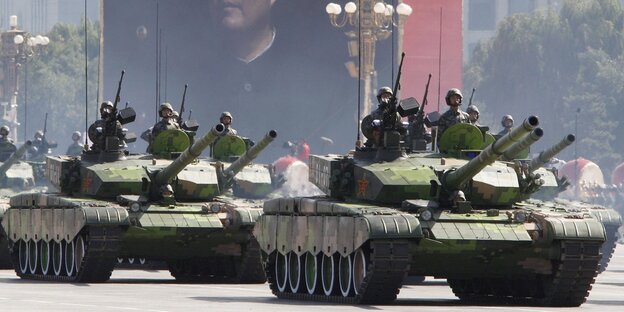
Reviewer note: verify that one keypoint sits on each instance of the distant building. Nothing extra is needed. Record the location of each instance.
(481, 17)
(39, 16)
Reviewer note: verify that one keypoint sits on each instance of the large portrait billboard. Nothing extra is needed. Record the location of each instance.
(273, 64)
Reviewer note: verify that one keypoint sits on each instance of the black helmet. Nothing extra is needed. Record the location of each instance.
(451, 92)
(383, 90)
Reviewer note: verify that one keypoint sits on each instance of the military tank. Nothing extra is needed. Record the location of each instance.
(555, 185)
(193, 214)
(15, 176)
(454, 214)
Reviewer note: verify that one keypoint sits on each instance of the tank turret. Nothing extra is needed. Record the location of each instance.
(545, 156)
(248, 157)
(15, 157)
(188, 156)
(455, 179)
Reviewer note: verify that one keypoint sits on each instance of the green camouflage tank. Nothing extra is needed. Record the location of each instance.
(196, 215)
(608, 216)
(15, 176)
(457, 215)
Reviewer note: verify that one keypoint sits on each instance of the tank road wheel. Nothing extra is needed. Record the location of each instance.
(311, 272)
(120, 260)
(294, 272)
(23, 256)
(142, 261)
(328, 274)
(345, 275)
(608, 247)
(281, 271)
(80, 251)
(70, 257)
(33, 255)
(131, 260)
(57, 258)
(359, 269)
(44, 256)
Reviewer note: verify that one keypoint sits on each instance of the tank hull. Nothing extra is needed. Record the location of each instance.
(324, 249)
(54, 237)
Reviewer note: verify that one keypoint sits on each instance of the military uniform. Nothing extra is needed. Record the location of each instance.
(98, 137)
(450, 118)
(162, 125)
(75, 149)
(230, 131)
(6, 148)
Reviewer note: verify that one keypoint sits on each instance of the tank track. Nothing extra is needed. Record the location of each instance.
(388, 266)
(5, 257)
(608, 247)
(568, 286)
(98, 262)
(244, 269)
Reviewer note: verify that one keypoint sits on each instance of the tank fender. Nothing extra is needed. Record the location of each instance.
(608, 217)
(571, 229)
(243, 217)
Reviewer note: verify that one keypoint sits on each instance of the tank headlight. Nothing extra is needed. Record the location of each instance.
(135, 207)
(520, 216)
(215, 208)
(426, 215)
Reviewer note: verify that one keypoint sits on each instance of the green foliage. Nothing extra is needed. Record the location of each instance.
(56, 82)
(567, 67)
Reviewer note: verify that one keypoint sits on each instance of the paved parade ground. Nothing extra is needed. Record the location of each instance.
(156, 291)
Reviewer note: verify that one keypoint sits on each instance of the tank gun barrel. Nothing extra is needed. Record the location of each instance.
(456, 178)
(545, 156)
(512, 152)
(189, 155)
(250, 155)
(14, 158)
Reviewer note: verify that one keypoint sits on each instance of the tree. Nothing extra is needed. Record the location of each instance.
(56, 82)
(565, 67)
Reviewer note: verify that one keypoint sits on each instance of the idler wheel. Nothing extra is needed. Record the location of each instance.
(45, 256)
(311, 272)
(281, 271)
(328, 270)
(57, 258)
(294, 271)
(359, 269)
(345, 275)
(23, 256)
(33, 254)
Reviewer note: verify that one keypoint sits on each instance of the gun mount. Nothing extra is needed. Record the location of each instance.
(248, 157)
(455, 179)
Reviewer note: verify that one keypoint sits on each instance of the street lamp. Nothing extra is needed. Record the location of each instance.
(18, 46)
(371, 21)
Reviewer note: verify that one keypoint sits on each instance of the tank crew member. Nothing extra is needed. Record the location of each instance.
(507, 124)
(77, 147)
(454, 114)
(167, 121)
(6, 144)
(39, 148)
(384, 96)
(473, 114)
(226, 119)
(97, 131)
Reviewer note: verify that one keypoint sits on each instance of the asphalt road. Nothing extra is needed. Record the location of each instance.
(156, 291)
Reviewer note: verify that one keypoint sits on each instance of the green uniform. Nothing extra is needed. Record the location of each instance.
(75, 149)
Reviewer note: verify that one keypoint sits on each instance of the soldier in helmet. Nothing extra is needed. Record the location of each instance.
(507, 123)
(6, 144)
(454, 115)
(226, 120)
(384, 97)
(76, 148)
(473, 114)
(167, 121)
(39, 147)
(98, 130)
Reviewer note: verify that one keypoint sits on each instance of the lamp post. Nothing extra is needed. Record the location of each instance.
(371, 21)
(17, 47)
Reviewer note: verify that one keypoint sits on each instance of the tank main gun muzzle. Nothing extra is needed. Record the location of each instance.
(512, 152)
(545, 156)
(6, 165)
(455, 179)
(189, 155)
(249, 156)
